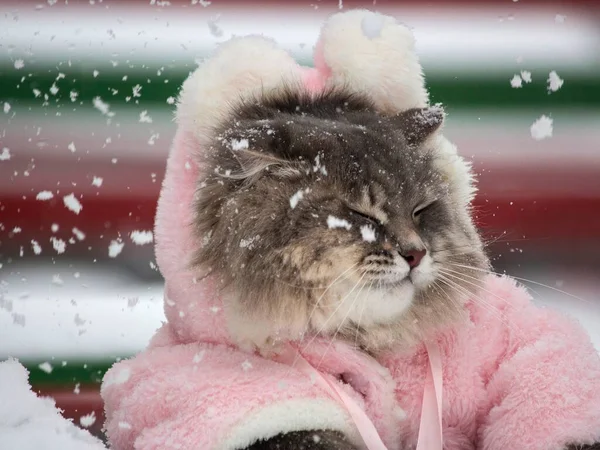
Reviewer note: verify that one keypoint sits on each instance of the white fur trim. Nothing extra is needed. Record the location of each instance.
(457, 170)
(373, 53)
(241, 67)
(291, 415)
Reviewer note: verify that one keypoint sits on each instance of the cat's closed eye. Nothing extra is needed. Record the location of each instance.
(365, 216)
(419, 210)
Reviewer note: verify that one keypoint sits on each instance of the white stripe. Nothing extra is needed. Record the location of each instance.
(458, 39)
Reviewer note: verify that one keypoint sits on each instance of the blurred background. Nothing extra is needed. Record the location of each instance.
(87, 92)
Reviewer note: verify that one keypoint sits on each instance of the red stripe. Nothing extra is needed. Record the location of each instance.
(548, 206)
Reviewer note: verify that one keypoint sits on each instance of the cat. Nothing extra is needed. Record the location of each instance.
(323, 217)
(310, 199)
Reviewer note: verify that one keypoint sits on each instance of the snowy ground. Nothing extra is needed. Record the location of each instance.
(28, 422)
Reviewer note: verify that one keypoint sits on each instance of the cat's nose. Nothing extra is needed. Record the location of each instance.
(414, 257)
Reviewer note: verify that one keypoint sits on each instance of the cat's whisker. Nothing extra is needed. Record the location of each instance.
(451, 249)
(485, 305)
(470, 294)
(527, 280)
(336, 280)
(488, 306)
(441, 290)
(343, 321)
(459, 275)
(340, 303)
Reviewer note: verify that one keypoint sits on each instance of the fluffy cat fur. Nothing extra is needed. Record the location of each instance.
(310, 215)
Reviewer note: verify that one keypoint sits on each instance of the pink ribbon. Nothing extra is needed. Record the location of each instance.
(430, 429)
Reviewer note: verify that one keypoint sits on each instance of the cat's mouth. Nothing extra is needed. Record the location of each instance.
(391, 283)
(414, 278)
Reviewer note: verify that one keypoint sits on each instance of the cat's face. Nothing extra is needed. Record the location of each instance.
(336, 224)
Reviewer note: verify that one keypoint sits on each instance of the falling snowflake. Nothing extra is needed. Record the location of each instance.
(37, 249)
(72, 203)
(19, 64)
(239, 144)
(144, 117)
(87, 420)
(97, 181)
(541, 128)
(46, 367)
(44, 195)
(554, 82)
(58, 244)
(18, 319)
(368, 233)
(249, 243)
(71, 147)
(5, 155)
(78, 320)
(171, 100)
(102, 106)
(516, 81)
(80, 235)
(372, 25)
(56, 279)
(214, 28)
(6, 107)
(115, 248)
(294, 199)
(118, 378)
(334, 222)
(526, 76)
(141, 237)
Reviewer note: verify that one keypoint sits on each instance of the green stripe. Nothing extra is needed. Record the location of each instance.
(69, 375)
(464, 91)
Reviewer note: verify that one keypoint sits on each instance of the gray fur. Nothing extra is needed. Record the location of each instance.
(261, 213)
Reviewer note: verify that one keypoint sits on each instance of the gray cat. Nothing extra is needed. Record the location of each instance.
(302, 189)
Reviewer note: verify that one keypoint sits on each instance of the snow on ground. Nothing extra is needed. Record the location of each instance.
(28, 422)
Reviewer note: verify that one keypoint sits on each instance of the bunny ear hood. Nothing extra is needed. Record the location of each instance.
(359, 50)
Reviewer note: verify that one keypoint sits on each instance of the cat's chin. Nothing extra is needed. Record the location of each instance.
(380, 302)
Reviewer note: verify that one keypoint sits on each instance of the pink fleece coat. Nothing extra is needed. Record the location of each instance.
(515, 376)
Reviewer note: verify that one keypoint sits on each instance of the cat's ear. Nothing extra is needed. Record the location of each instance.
(420, 123)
